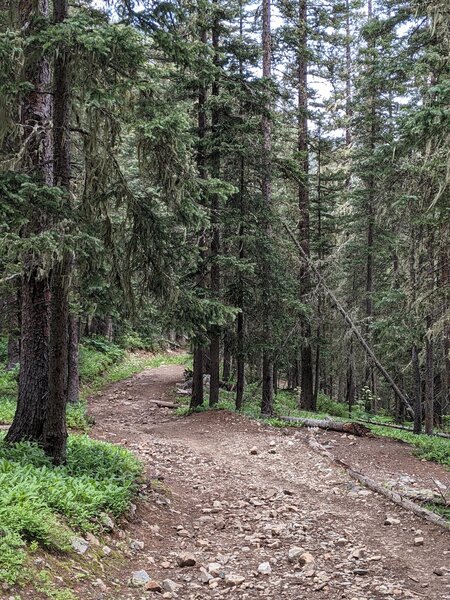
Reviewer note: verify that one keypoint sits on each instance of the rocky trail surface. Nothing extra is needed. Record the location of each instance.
(241, 510)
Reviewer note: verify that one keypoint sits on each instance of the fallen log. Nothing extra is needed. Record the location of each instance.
(395, 497)
(403, 428)
(164, 404)
(351, 428)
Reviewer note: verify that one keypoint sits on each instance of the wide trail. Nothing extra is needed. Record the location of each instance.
(247, 500)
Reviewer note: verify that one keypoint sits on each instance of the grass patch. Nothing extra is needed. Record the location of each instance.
(42, 505)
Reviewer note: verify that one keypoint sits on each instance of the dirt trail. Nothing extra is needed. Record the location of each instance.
(240, 510)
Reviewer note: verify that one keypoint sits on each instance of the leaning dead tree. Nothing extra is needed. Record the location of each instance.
(357, 333)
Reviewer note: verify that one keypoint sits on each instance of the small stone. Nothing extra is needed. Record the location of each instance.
(358, 553)
(294, 553)
(153, 586)
(165, 564)
(265, 568)
(186, 559)
(307, 561)
(232, 580)
(342, 542)
(360, 571)
(439, 571)
(216, 570)
(418, 541)
(106, 550)
(183, 533)
(80, 545)
(391, 521)
(92, 539)
(254, 450)
(205, 577)
(136, 545)
(99, 583)
(140, 578)
(170, 586)
(107, 522)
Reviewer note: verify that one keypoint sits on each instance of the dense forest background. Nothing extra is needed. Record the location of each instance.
(268, 183)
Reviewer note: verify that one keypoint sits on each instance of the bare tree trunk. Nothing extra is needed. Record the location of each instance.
(226, 360)
(415, 363)
(307, 399)
(197, 378)
(266, 187)
(370, 236)
(199, 358)
(55, 429)
(215, 224)
(350, 390)
(445, 285)
(36, 113)
(429, 342)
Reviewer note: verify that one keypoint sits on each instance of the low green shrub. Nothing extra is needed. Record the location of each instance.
(43, 503)
(96, 355)
(8, 383)
(326, 405)
(3, 349)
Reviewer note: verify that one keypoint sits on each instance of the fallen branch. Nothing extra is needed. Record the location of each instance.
(402, 428)
(395, 497)
(164, 404)
(350, 428)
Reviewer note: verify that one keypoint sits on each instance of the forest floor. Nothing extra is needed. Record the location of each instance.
(241, 497)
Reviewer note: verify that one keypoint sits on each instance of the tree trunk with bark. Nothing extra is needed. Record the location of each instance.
(266, 188)
(197, 396)
(55, 430)
(215, 222)
(36, 114)
(307, 398)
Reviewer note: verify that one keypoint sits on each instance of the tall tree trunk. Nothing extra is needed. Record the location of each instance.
(445, 285)
(370, 233)
(73, 375)
(197, 378)
(351, 388)
(240, 321)
(429, 341)
(226, 360)
(55, 429)
(199, 358)
(215, 220)
(417, 386)
(320, 296)
(306, 382)
(36, 113)
(266, 188)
